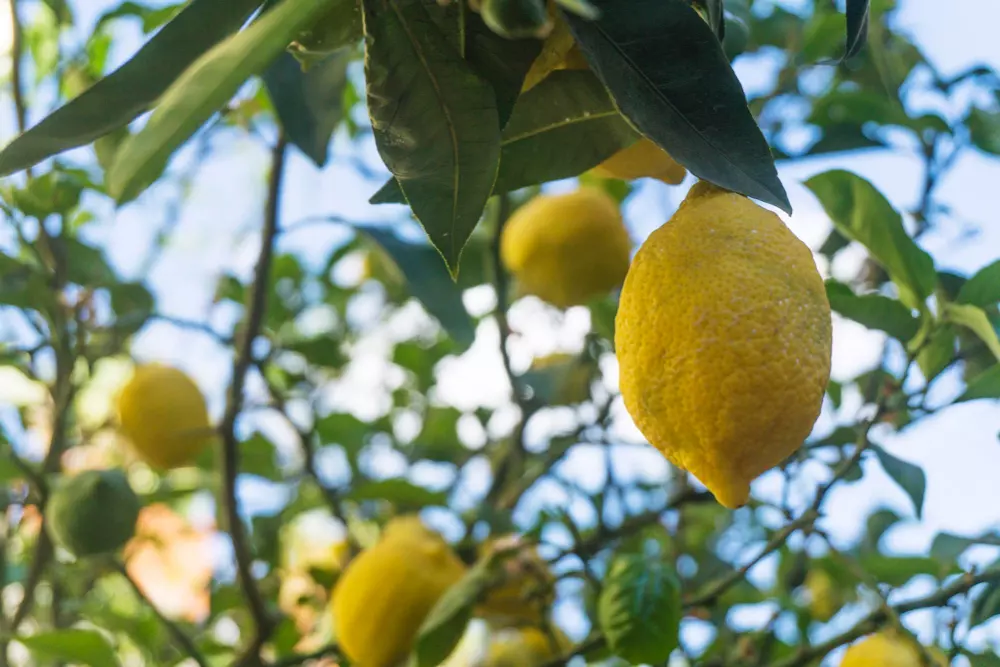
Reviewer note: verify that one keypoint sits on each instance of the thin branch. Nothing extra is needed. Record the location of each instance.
(256, 308)
(184, 643)
(589, 644)
(328, 651)
(17, 51)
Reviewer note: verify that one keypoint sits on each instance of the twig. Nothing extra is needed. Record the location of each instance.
(256, 307)
(17, 51)
(589, 644)
(292, 660)
(184, 643)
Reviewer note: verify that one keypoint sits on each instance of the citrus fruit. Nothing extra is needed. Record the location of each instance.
(92, 513)
(567, 248)
(723, 338)
(384, 594)
(888, 650)
(525, 589)
(525, 647)
(643, 159)
(163, 413)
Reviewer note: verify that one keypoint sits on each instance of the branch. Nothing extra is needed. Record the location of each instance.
(256, 308)
(17, 52)
(327, 651)
(184, 643)
(592, 643)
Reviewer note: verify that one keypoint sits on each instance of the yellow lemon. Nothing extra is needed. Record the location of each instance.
(824, 598)
(525, 589)
(567, 248)
(723, 338)
(162, 412)
(643, 159)
(888, 650)
(525, 647)
(384, 594)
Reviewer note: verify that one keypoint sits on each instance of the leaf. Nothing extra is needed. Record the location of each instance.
(909, 477)
(982, 289)
(986, 605)
(120, 97)
(947, 547)
(897, 570)
(639, 609)
(878, 523)
(435, 122)
(258, 456)
(861, 213)
(976, 320)
(85, 265)
(87, 647)
(983, 659)
(984, 130)
(397, 491)
(428, 281)
(645, 52)
(937, 353)
(562, 127)
(873, 311)
(984, 385)
(201, 90)
(308, 103)
(857, 26)
(445, 624)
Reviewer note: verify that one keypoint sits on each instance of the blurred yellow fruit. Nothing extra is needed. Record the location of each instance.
(384, 594)
(824, 598)
(162, 412)
(568, 248)
(723, 338)
(526, 589)
(643, 159)
(525, 647)
(888, 650)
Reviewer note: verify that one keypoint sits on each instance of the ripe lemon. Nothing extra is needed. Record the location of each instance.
(93, 512)
(383, 596)
(724, 338)
(887, 650)
(525, 647)
(643, 159)
(162, 412)
(567, 248)
(526, 589)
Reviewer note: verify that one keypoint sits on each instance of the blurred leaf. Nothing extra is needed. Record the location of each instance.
(645, 52)
(983, 659)
(986, 605)
(984, 385)
(435, 122)
(308, 103)
(85, 265)
(984, 130)
(151, 18)
(87, 647)
(861, 213)
(24, 285)
(55, 192)
(948, 546)
(843, 137)
(438, 439)
(878, 523)
(445, 624)
(428, 281)
(322, 351)
(857, 26)
(897, 570)
(639, 609)
(911, 478)
(873, 311)
(397, 491)
(258, 456)
(856, 107)
(343, 429)
(128, 91)
(982, 289)
(201, 91)
(974, 319)
(937, 353)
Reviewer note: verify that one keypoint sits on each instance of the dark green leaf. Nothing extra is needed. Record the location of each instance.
(428, 281)
(984, 385)
(343, 429)
(983, 659)
(861, 213)
(948, 546)
(909, 477)
(938, 352)
(85, 265)
(984, 130)
(24, 285)
(878, 523)
(857, 26)
(445, 624)
(873, 311)
(639, 609)
(87, 647)
(201, 91)
(843, 137)
(398, 492)
(645, 52)
(855, 107)
(438, 439)
(897, 570)
(258, 456)
(435, 121)
(308, 103)
(128, 91)
(982, 289)
(986, 605)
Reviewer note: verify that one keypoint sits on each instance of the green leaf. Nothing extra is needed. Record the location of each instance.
(938, 352)
(911, 478)
(258, 456)
(87, 647)
(121, 96)
(645, 52)
(54, 192)
(984, 130)
(878, 523)
(559, 129)
(873, 311)
(435, 121)
(855, 107)
(897, 570)
(428, 281)
(85, 265)
(201, 91)
(438, 439)
(976, 320)
(445, 624)
(948, 546)
(397, 491)
(308, 103)
(857, 26)
(861, 213)
(982, 289)
(984, 385)
(983, 659)
(322, 351)
(639, 609)
(986, 605)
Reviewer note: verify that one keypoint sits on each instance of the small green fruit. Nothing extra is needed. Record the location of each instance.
(516, 19)
(92, 513)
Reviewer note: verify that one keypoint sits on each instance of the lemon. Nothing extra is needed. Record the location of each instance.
(824, 598)
(162, 412)
(888, 650)
(525, 647)
(723, 338)
(567, 248)
(384, 594)
(643, 159)
(525, 590)
(92, 513)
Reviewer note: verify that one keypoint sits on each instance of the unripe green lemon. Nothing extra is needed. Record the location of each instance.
(92, 513)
